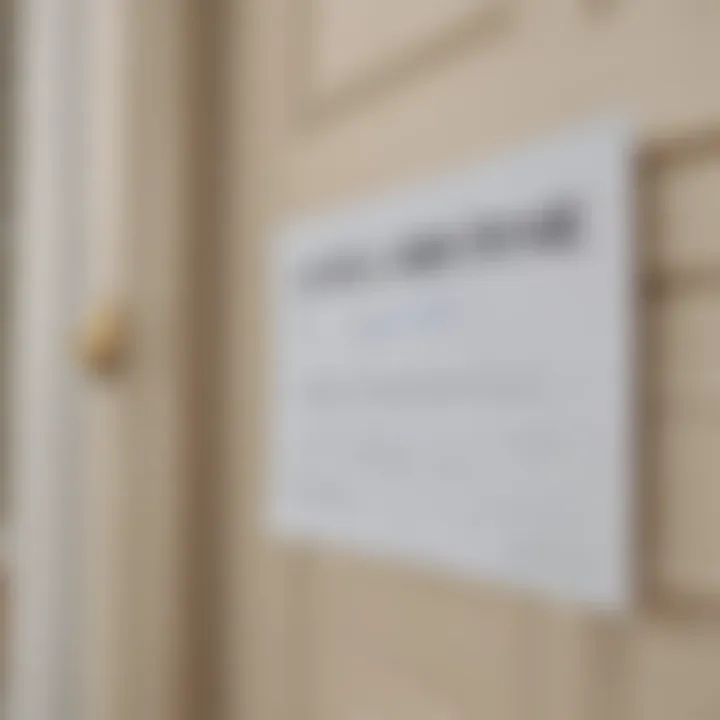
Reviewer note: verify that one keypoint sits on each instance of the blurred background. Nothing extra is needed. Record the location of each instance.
(151, 154)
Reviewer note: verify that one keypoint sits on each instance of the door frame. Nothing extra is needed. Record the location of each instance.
(46, 280)
(100, 474)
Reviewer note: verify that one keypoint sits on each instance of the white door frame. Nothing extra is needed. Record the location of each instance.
(97, 467)
(46, 278)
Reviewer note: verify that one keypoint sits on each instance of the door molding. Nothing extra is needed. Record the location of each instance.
(45, 282)
(100, 466)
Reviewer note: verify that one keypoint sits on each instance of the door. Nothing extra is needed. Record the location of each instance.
(339, 100)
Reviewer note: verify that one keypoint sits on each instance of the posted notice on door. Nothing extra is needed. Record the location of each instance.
(453, 372)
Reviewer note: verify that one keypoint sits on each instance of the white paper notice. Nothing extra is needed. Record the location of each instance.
(453, 372)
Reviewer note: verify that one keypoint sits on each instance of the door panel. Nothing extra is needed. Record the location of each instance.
(687, 212)
(376, 623)
(348, 44)
(343, 100)
(687, 480)
(673, 671)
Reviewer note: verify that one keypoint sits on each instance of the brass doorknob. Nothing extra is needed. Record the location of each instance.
(103, 340)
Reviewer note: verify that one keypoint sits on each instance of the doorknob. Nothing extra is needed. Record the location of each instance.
(103, 340)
